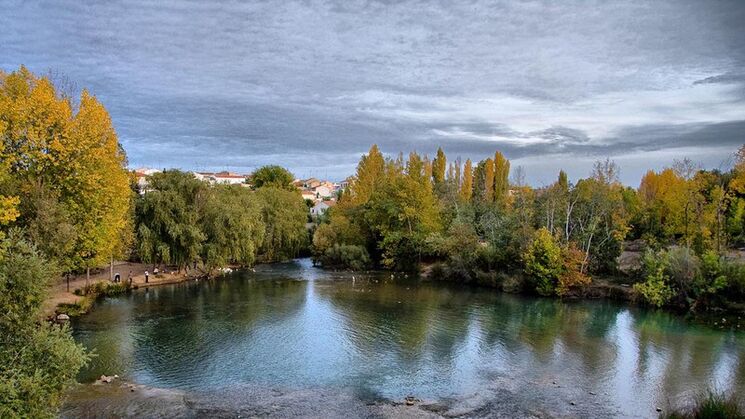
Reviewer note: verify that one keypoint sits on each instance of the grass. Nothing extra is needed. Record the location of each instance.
(710, 406)
(89, 294)
(78, 308)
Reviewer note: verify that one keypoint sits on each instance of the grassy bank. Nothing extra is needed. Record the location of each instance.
(710, 406)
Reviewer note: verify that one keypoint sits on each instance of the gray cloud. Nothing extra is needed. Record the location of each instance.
(311, 84)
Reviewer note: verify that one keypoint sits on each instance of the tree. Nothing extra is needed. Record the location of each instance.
(232, 226)
(438, 167)
(466, 188)
(543, 262)
(74, 158)
(369, 176)
(168, 219)
(38, 361)
(272, 175)
(501, 178)
(284, 214)
(488, 181)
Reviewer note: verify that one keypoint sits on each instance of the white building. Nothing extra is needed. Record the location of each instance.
(225, 178)
(142, 174)
(321, 207)
(323, 191)
(308, 195)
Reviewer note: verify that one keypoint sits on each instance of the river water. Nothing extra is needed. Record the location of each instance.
(292, 327)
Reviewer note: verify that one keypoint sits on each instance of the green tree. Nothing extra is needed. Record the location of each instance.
(543, 261)
(38, 361)
(232, 226)
(284, 214)
(273, 175)
(168, 219)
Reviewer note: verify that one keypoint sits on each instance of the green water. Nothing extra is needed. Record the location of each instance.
(292, 326)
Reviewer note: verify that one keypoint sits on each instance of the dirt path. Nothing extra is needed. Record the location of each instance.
(60, 293)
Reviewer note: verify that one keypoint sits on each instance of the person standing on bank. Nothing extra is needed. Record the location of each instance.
(147, 276)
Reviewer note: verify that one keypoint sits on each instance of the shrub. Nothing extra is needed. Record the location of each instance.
(655, 289)
(543, 262)
(346, 256)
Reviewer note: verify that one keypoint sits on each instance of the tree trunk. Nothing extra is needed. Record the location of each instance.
(87, 276)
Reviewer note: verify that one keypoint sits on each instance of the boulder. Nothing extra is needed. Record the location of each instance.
(62, 317)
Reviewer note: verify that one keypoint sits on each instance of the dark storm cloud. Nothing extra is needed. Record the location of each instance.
(311, 84)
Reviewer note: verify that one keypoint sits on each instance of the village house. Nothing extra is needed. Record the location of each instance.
(225, 178)
(321, 207)
(142, 174)
(323, 191)
(308, 195)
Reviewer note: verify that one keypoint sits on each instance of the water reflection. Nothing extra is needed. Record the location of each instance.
(293, 326)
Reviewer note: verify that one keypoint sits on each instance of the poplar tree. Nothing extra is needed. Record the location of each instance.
(466, 188)
(489, 180)
(438, 167)
(501, 178)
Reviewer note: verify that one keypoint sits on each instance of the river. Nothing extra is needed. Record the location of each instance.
(290, 339)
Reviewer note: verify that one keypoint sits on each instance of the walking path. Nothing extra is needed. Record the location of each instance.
(59, 294)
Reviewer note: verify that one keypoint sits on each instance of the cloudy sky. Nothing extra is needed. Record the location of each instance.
(311, 84)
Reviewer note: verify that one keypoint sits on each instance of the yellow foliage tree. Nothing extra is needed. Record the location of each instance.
(76, 156)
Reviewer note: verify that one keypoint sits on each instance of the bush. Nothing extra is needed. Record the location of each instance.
(103, 289)
(655, 290)
(551, 268)
(346, 256)
(543, 262)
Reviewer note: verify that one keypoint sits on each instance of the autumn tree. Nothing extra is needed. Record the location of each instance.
(438, 167)
(466, 188)
(501, 178)
(72, 158)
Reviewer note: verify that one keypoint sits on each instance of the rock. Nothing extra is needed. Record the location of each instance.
(573, 403)
(410, 400)
(592, 394)
(116, 376)
(106, 379)
(62, 317)
(659, 409)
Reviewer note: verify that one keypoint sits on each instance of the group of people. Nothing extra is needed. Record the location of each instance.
(118, 277)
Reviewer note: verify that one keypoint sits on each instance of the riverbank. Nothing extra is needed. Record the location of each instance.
(62, 295)
(120, 399)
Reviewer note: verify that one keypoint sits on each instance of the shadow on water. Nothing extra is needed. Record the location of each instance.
(293, 327)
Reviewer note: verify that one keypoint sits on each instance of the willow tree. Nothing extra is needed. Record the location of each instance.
(168, 219)
(232, 226)
(284, 214)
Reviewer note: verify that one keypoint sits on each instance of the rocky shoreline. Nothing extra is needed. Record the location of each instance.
(121, 399)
